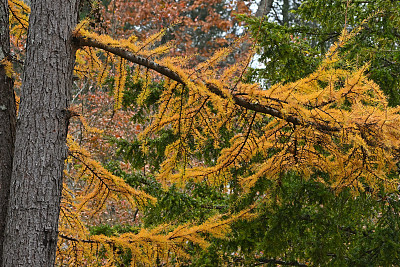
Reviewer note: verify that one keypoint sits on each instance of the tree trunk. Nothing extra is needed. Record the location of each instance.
(40, 149)
(7, 122)
(264, 8)
(285, 12)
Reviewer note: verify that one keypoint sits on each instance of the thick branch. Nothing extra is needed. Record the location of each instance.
(84, 41)
(77, 240)
(262, 261)
(273, 261)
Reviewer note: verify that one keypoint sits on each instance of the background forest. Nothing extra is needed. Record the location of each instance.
(231, 133)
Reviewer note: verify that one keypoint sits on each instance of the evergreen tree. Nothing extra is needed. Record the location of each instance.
(312, 27)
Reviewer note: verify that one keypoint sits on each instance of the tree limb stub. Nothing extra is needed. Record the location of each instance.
(82, 41)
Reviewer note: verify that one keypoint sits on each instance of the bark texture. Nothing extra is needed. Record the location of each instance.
(7, 123)
(40, 149)
(285, 12)
(264, 8)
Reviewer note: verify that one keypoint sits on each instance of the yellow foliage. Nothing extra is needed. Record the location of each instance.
(101, 183)
(345, 127)
(7, 67)
(19, 13)
(18, 24)
(120, 79)
(91, 183)
(149, 246)
(88, 63)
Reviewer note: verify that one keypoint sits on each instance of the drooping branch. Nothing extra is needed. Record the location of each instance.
(78, 240)
(82, 41)
(262, 261)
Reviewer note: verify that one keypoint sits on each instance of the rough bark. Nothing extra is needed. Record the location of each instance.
(285, 12)
(264, 8)
(7, 122)
(40, 149)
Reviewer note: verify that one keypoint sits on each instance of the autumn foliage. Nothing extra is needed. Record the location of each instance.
(188, 23)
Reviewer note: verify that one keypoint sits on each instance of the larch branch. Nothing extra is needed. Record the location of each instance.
(82, 41)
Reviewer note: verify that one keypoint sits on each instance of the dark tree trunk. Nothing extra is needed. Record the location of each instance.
(285, 12)
(7, 122)
(264, 8)
(40, 149)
